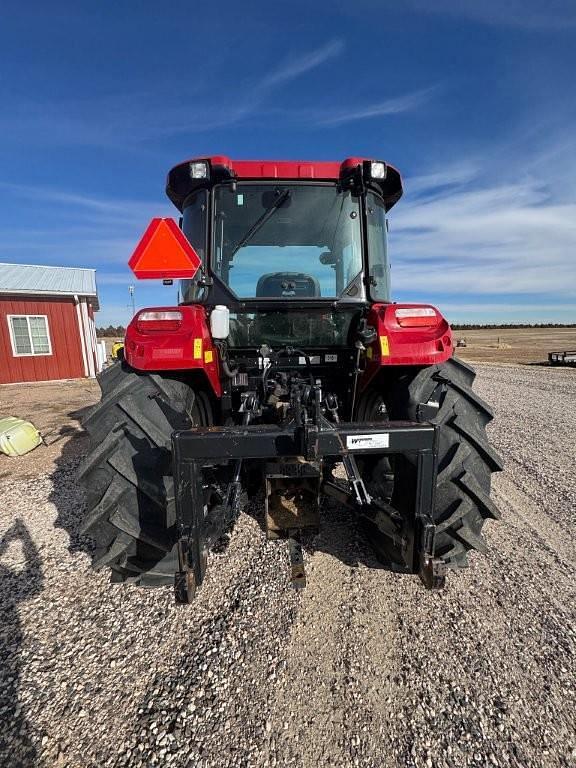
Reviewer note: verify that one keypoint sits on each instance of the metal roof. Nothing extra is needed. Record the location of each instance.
(48, 281)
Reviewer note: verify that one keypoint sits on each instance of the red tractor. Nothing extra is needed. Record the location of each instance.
(284, 361)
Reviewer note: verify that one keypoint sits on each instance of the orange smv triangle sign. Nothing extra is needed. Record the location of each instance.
(164, 252)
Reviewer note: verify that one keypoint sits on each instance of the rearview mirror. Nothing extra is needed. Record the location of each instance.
(327, 258)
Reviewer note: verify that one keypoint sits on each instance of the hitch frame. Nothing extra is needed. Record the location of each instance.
(199, 447)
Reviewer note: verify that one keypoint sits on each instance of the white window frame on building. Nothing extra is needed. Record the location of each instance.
(33, 352)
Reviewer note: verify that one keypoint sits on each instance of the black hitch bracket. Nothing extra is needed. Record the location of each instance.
(200, 447)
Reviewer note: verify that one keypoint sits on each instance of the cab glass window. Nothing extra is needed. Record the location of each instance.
(286, 240)
(194, 226)
(377, 248)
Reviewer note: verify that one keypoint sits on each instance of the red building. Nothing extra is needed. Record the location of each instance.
(47, 329)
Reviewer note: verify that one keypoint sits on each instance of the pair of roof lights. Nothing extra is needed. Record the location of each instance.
(200, 170)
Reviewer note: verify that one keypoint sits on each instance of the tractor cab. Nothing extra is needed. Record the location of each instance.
(290, 232)
(303, 238)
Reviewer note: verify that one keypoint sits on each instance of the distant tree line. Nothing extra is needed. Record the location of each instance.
(112, 330)
(479, 326)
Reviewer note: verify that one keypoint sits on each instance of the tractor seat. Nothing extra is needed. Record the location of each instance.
(287, 285)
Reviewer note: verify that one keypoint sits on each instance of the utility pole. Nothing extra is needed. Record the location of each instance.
(131, 292)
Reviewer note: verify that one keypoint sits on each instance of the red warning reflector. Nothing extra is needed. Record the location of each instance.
(164, 252)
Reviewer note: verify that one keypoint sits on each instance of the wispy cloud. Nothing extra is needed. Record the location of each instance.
(528, 14)
(395, 106)
(464, 232)
(253, 100)
(330, 114)
(436, 181)
(127, 121)
(299, 64)
(97, 208)
(134, 122)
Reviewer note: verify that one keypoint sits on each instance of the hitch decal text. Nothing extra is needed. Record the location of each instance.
(357, 442)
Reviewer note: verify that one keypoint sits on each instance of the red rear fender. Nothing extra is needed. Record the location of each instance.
(172, 339)
(407, 334)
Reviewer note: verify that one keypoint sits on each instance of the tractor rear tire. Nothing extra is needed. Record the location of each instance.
(128, 472)
(442, 395)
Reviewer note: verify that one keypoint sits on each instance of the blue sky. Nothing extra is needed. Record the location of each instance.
(475, 103)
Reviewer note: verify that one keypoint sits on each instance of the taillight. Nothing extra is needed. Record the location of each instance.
(149, 320)
(416, 317)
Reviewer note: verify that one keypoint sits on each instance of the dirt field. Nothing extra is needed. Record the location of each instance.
(55, 409)
(517, 345)
(363, 668)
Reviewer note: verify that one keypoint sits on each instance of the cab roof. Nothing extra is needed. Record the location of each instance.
(180, 185)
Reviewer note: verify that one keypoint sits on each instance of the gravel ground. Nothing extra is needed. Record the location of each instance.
(363, 668)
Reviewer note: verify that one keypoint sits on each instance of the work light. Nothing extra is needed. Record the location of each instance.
(199, 170)
(378, 170)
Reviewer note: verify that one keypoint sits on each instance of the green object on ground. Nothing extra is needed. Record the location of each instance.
(17, 436)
